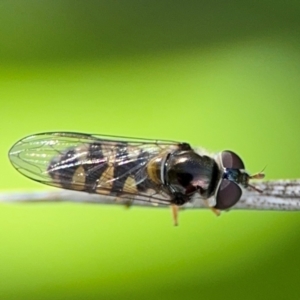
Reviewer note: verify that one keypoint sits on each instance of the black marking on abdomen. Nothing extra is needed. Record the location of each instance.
(96, 166)
(123, 167)
(62, 168)
(103, 169)
(92, 161)
(143, 182)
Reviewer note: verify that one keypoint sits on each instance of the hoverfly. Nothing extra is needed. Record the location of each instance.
(160, 172)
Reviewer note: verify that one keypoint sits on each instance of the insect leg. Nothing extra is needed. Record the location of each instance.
(217, 212)
(174, 209)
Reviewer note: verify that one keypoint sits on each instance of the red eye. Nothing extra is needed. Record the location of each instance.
(231, 160)
(228, 194)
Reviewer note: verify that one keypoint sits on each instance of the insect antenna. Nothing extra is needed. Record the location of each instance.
(259, 175)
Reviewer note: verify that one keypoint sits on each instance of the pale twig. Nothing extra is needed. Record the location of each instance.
(276, 195)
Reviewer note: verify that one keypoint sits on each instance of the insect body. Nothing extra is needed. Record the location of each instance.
(164, 172)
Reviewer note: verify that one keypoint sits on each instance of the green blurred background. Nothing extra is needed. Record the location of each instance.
(217, 74)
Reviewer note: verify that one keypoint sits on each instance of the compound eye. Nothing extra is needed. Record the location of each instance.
(231, 160)
(228, 194)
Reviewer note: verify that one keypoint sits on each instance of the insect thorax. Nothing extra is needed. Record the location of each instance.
(185, 172)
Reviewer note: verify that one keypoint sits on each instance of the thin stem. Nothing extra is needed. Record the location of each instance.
(276, 195)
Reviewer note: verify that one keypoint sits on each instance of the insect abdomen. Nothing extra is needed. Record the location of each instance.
(100, 168)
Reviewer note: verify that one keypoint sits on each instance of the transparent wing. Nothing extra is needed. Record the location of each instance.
(105, 165)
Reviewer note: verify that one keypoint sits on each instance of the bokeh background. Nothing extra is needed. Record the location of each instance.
(217, 74)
